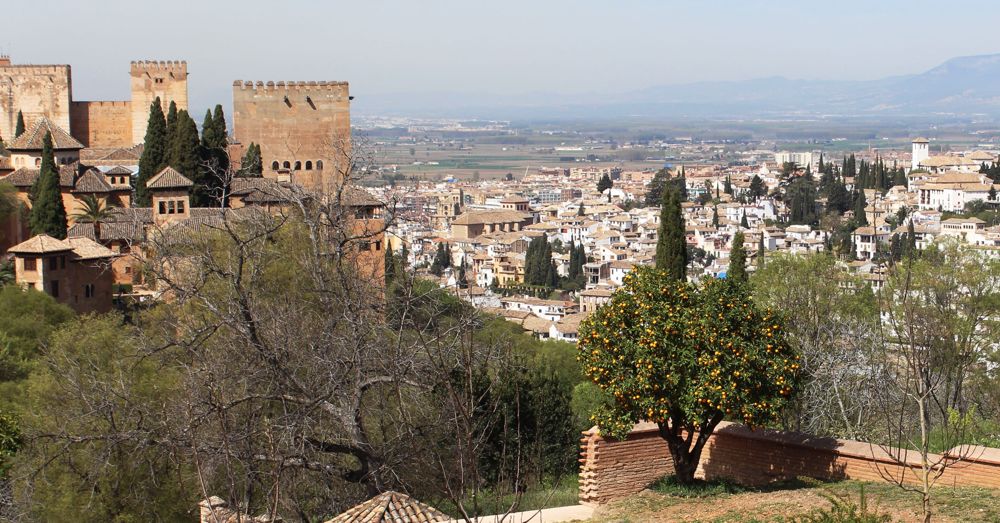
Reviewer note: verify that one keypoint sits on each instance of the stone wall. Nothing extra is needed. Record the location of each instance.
(36, 91)
(150, 79)
(611, 469)
(303, 128)
(103, 124)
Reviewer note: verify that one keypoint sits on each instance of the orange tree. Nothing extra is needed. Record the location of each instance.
(685, 358)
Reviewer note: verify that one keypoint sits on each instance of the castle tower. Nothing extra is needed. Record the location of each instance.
(921, 152)
(38, 91)
(303, 129)
(151, 79)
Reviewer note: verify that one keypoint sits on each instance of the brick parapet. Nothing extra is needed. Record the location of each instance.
(612, 469)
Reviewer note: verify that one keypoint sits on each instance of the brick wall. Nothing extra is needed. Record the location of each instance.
(612, 469)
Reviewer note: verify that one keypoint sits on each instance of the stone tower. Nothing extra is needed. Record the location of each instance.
(35, 90)
(149, 79)
(303, 129)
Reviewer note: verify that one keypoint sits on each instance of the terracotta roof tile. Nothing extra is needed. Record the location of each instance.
(91, 181)
(168, 178)
(41, 244)
(391, 507)
(32, 139)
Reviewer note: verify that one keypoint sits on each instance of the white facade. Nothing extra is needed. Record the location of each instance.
(921, 152)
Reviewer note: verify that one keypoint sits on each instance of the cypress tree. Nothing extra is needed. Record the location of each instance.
(715, 216)
(183, 152)
(580, 211)
(252, 164)
(737, 260)
(48, 215)
(743, 221)
(572, 273)
(671, 244)
(462, 280)
(389, 267)
(761, 250)
(219, 126)
(682, 190)
(171, 127)
(604, 184)
(654, 192)
(860, 216)
(19, 127)
(209, 136)
(727, 187)
(154, 152)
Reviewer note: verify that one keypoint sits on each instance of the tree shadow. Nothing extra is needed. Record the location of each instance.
(771, 460)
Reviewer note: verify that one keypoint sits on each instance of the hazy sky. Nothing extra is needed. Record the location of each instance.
(509, 46)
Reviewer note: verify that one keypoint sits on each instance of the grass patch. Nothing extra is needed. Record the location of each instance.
(668, 485)
(549, 494)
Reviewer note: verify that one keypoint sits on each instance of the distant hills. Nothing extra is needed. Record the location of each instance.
(961, 86)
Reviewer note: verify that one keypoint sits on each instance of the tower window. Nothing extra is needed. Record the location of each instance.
(309, 165)
(319, 165)
(274, 166)
(286, 165)
(298, 165)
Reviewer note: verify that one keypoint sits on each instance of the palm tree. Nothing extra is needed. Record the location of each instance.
(93, 211)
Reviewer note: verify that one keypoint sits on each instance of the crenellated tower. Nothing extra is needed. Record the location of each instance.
(151, 79)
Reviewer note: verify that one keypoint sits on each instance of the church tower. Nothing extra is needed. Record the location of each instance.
(921, 152)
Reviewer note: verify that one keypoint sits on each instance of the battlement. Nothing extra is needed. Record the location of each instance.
(178, 67)
(34, 69)
(104, 103)
(281, 86)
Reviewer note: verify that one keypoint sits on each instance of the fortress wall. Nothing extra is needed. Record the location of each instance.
(36, 91)
(103, 124)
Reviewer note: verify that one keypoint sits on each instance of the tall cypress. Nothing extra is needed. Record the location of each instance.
(154, 152)
(737, 260)
(252, 164)
(19, 127)
(171, 127)
(860, 216)
(219, 125)
(183, 153)
(671, 246)
(48, 215)
(573, 256)
(208, 134)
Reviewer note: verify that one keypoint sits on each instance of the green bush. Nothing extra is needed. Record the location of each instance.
(844, 511)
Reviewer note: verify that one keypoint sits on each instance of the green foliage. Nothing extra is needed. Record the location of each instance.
(19, 126)
(9, 204)
(757, 188)
(670, 486)
(539, 268)
(10, 441)
(604, 184)
(252, 165)
(686, 357)
(802, 201)
(214, 157)
(654, 191)
(48, 215)
(154, 152)
(183, 156)
(860, 203)
(442, 259)
(27, 318)
(671, 243)
(99, 481)
(587, 400)
(843, 510)
(737, 260)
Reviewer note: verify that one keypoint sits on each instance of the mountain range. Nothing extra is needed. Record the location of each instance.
(963, 86)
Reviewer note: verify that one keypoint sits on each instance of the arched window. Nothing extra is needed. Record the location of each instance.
(309, 165)
(298, 165)
(319, 165)
(287, 165)
(38, 162)
(274, 165)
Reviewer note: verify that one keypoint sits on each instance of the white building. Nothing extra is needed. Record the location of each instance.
(921, 152)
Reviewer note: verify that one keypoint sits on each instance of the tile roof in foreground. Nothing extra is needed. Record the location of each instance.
(391, 507)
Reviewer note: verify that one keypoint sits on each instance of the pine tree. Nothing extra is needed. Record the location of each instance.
(654, 191)
(48, 215)
(671, 244)
(860, 216)
(604, 184)
(19, 127)
(737, 260)
(757, 189)
(154, 152)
